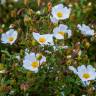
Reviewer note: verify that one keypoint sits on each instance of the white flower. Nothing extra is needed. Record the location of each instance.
(59, 31)
(32, 63)
(59, 47)
(9, 37)
(85, 30)
(53, 20)
(60, 12)
(85, 73)
(46, 39)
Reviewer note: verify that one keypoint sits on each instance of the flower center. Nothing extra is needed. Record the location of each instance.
(10, 39)
(35, 64)
(42, 40)
(61, 33)
(86, 75)
(59, 14)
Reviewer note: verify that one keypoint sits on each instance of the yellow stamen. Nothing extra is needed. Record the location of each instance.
(10, 39)
(86, 75)
(42, 40)
(35, 64)
(59, 14)
(61, 33)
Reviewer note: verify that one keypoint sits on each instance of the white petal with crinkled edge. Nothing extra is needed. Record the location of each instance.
(73, 69)
(48, 37)
(61, 28)
(60, 8)
(10, 33)
(85, 30)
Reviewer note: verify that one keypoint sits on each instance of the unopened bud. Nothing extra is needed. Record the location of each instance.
(13, 13)
(30, 12)
(26, 2)
(33, 42)
(27, 20)
(39, 56)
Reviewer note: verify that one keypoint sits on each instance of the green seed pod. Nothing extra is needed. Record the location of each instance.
(39, 56)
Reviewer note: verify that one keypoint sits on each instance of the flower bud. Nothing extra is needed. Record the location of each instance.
(13, 13)
(1, 66)
(24, 86)
(27, 20)
(1, 30)
(49, 6)
(33, 42)
(30, 12)
(26, 2)
(39, 56)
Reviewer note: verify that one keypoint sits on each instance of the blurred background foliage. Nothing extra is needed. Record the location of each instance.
(53, 79)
